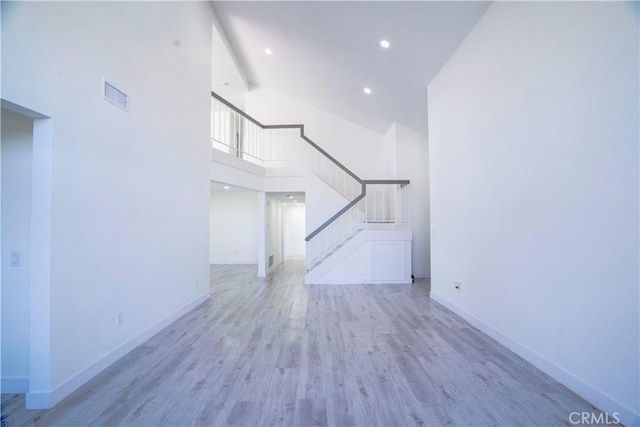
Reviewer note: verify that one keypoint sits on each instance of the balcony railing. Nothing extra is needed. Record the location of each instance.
(240, 135)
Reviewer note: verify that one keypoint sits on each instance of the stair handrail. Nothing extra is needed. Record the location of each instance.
(361, 196)
(288, 126)
(364, 183)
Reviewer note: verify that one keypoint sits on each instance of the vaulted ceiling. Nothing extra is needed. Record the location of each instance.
(325, 53)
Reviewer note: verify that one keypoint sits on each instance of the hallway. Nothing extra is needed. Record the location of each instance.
(273, 351)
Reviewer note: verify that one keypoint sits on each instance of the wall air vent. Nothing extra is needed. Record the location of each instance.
(115, 96)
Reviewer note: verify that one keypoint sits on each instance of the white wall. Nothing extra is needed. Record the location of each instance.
(129, 218)
(273, 222)
(534, 190)
(17, 150)
(234, 228)
(407, 154)
(358, 148)
(390, 152)
(226, 78)
(294, 230)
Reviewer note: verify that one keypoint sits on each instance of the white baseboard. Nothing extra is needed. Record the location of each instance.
(38, 400)
(603, 401)
(14, 385)
(45, 400)
(361, 281)
(234, 262)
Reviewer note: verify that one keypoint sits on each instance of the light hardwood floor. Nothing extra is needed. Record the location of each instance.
(276, 352)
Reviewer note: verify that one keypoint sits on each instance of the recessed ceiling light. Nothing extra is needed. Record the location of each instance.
(385, 44)
(226, 187)
(290, 197)
(268, 51)
(295, 201)
(367, 90)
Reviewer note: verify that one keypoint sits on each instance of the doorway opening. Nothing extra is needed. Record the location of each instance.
(293, 230)
(16, 154)
(26, 253)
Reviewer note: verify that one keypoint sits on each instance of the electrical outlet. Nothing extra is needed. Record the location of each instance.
(15, 258)
(457, 286)
(119, 319)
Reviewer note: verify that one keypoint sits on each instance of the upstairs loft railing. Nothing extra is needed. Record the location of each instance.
(379, 204)
(235, 132)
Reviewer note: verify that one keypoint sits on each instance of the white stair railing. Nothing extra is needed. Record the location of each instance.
(339, 230)
(382, 205)
(238, 134)
(379, 204)
(386, 205)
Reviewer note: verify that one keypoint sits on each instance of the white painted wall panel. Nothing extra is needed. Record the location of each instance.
(372, 256)
(534, 190)
(234, 228)
(412, 163)
(294, 231)
(129, 218)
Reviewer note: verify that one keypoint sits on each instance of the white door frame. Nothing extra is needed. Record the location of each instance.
(38, 396)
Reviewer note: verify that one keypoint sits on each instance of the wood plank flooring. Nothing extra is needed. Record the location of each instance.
(273, 351)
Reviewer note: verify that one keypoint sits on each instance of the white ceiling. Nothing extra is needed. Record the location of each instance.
(290, 197)
(325, 52)
(220, 187)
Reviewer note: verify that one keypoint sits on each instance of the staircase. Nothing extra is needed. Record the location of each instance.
(368, 227)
